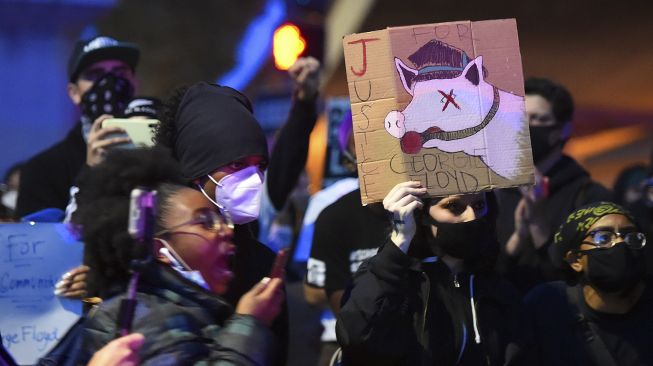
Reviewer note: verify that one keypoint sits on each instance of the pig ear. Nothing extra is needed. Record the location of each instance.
(406, 74)
(474, 70)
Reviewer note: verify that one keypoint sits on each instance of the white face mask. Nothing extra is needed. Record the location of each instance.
(9, 199)
(181, 267)
(238, 195)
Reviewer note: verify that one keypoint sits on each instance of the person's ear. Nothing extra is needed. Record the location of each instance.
(573, 259)
(157, 245)
(74, 93)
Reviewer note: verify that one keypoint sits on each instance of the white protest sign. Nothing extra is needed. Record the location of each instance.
(32, 259)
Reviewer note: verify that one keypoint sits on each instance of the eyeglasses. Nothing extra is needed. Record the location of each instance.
(209, 219)
(605, 239)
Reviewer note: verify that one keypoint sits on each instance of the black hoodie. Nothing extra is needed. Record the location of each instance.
(400, 311)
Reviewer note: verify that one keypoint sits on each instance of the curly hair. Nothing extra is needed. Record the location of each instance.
(103, 210)
(165, 133)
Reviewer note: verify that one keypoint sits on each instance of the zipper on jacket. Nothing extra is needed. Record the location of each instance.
(455, 280)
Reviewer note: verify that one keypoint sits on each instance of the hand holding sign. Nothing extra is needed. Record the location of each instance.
(73, 283)
(401, 202)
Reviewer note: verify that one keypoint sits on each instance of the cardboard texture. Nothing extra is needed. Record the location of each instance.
(439, 103)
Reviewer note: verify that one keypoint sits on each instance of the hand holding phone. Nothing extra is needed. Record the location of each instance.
(138, 131)
(101, 138)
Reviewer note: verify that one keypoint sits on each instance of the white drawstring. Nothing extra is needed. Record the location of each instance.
(208, 197)
(222, 208)
(477, 335)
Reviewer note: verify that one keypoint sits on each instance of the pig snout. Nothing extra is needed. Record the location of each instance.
(394, 124)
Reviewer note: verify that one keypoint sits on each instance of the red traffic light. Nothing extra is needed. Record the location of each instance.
(288, 44)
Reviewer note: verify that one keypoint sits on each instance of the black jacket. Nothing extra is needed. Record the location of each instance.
(398, 310)
(46, 178)
(562, 334)
(290, 152)
(570, 187)
(182, 323)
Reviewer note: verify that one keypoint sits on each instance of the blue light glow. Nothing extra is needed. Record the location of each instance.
(89, 32)
(255, 47)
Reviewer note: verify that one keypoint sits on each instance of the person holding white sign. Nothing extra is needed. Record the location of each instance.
(430, 295)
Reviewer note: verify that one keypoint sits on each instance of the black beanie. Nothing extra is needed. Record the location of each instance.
(215, 126)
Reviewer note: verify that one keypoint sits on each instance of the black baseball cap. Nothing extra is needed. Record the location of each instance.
(98, 49)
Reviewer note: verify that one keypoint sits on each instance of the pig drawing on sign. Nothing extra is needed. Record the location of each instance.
(453, 108)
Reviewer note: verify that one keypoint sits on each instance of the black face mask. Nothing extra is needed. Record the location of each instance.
(540, 141)
(615, 269)
(108, 95)
(465, 240)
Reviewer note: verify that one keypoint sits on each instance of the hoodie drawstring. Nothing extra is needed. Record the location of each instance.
(477, 335)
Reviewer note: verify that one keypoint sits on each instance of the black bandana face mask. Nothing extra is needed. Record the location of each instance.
(108, 95)
(616, 269)
(465, 240)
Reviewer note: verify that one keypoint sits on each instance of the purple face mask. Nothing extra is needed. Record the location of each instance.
(238, 195)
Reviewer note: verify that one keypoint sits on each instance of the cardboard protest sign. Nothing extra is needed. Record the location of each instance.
(32, 259)
(439, 103)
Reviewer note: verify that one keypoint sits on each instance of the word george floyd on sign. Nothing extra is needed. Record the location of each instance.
(439, 103)
(32, 259)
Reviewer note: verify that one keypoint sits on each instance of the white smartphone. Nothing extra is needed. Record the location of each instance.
(139, 130)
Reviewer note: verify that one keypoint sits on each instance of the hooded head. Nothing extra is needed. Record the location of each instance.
(214, 126)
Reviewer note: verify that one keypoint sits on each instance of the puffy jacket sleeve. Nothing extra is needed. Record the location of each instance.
(243, 341)
(375, 324)
(176, 335)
